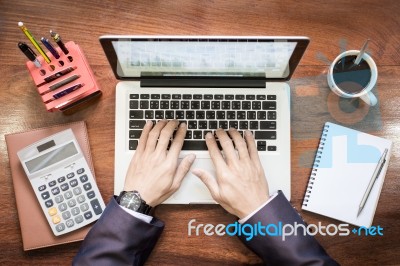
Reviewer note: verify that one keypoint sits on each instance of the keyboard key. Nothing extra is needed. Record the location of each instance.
(52, 211)
(69, 223)
(192, 125)
(62, 179)
(90, 194)
(71, 203)
(271, 115)
(188, 134)
(256, 105)
(134, 96)
(239, 97)
(230, 115)
(144, 104)
(164, 105)
(189, 114)
(87, 186)
(88, 215)
(271, 97)
(148, 114)
(261, 97)
(265, 135)
(253, 124)
(220, 115)
(68, 194)
(233, 124)
(155, 96)
(165, 96)
(185, 105)
(77, 191)
(226, 105)
(135, 134)
(205, 105)
(60, 227)
(218, 96)
(133, 144)
(169, 114)
(52, 183)
(144, 96)
(241, 115)
(271, 148)
(176, 96)
(235, 105)
(45, 195)
(223, 124)
(139, 124)
(73, 183)
(70, 175)
(174, 104)
(195, 105)
(202, 124)
(80, 198)
(200, 115)
(269, 105)
(215, 105)
(229, 97)
(243, 124)
(261, 145)
(137, 114)
(180, 115)
(251, 115)
(208, 96)
(66, 215)
(267, 124)
(197, 134)
(49, 203)
(80, 171)
(159, 114)
(154, 104)
(96, 207)
(197, 96)
(212, 124)
(187, 96)
(134, 104)
(194, 145)
(79, 219)
(42, 187)
(84, 178)
(55, 191)
(84, 207)
(59, 199)
(250, 97)
(210, 114)
(261, 115)
(246, 105)
(56, 219)
(75, 211)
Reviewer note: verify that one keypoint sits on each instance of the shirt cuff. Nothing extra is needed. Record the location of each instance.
(141, 216)
(243, 220)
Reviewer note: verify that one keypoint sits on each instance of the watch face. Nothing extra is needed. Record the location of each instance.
(130, 200)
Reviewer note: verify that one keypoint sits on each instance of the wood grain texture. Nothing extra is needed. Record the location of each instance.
(328, 24)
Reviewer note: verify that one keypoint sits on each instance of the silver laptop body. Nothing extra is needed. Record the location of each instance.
(208, 82)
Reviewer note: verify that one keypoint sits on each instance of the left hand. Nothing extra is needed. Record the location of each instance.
(154, 171)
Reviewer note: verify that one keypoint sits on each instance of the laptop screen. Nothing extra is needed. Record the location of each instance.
(253, 57)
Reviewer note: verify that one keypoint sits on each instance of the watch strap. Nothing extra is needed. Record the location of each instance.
(143, 208)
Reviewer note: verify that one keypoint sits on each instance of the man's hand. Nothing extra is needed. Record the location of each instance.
(240, 186)
(154, 171)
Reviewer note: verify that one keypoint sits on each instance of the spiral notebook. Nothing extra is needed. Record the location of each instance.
(344, 164)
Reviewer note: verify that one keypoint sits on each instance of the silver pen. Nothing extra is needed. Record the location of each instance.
(374, 177)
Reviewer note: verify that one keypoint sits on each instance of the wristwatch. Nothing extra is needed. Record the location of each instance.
(133, 201)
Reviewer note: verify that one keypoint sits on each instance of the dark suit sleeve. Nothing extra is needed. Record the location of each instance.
(294, 250)
(118, 238)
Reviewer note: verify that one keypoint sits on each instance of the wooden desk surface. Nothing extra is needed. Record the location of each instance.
(329, 24)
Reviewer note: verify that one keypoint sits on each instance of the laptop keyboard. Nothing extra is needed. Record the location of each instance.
(205, 113)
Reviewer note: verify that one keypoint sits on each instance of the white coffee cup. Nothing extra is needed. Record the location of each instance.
(365, 93)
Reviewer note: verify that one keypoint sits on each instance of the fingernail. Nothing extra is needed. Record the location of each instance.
(248, 133)
(183, 124)
(209, 135)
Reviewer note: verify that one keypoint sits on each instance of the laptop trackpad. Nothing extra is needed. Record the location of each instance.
(193, 189)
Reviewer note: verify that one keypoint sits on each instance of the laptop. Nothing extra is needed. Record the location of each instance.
(209, 82)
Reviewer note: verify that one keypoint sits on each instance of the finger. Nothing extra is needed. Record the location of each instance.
(154, 134)
(251, 146)
(143, 137)
(214, 152)
(240, 143)
(209, 181)
(227, 146)
(177, 142)
(165, 136)
(182, 170)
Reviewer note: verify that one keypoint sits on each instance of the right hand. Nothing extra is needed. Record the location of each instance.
(240, 186)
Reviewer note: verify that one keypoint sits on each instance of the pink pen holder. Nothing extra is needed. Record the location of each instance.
(64, 82)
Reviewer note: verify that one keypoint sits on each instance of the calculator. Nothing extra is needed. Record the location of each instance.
(62, 181)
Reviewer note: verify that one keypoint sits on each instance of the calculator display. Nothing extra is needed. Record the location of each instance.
(51, 158)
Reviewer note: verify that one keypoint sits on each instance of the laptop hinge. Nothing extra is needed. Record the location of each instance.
(202, 82)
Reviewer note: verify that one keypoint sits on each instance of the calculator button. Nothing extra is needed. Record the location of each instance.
(75, 211)
(56, 219)
(61, 179)
(79, 219)
(70, 175)
(96, 206)
(73, 183)
(77, 191)
(49, 203)
(88, 215)
(64, 187)
(59, 198)
(81, 198)
(80, 171)
(55, 191)
(45, 195)
(60, 227)
(84, 207)
(42, 187)
(52, 211)
(68, 195)
(90, 194)
(62, 207)
(87, 186)
(83, 178)
(66, 215)
(71, 202)
(70, 223)
(52, 183)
